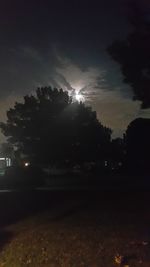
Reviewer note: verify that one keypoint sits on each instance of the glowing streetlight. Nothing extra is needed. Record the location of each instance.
(26, 164)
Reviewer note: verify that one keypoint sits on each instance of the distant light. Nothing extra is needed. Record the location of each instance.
(26, 164)
(2, 158)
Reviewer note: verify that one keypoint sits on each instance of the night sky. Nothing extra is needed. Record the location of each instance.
(63, 44)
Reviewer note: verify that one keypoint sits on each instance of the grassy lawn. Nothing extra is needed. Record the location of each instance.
(79, 229)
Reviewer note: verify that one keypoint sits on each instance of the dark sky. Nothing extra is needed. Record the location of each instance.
(63, 44)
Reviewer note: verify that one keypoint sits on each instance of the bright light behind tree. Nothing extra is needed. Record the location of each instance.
(76, 93)
(79, 97)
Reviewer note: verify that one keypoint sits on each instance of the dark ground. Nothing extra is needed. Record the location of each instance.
(74, 228)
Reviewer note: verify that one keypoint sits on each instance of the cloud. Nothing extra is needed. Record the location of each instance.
(114, 105)
(116, 112)
(77, 78)
(112, 101)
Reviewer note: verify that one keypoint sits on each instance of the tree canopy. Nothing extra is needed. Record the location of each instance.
(133, 55)
(138, 138)
(49, 126)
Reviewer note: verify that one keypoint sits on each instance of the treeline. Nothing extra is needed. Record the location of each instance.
(49, 127)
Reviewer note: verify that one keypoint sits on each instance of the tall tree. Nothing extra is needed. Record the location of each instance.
(48, 126)
(117, 149)
(133, 55)
(138, 143)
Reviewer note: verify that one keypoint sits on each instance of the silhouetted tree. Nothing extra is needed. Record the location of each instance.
(49, 127)
(133, 55)
(118, 149)
(138, 143)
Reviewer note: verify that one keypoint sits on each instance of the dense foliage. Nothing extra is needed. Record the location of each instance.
(133, 55)
(48, 126)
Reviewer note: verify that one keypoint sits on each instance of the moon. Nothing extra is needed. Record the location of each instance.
(79, 97)
(76, 94)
